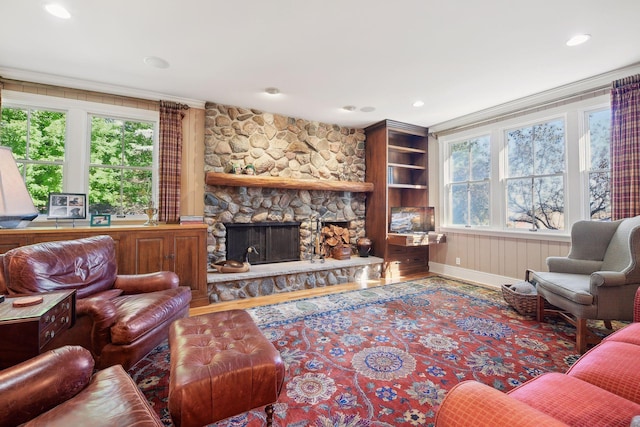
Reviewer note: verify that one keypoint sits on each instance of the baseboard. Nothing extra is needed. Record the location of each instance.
(473, 276)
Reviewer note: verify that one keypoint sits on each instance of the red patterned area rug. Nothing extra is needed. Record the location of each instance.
(386, 356)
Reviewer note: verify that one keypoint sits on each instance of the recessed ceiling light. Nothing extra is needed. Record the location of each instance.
(418, 104)
(578, 39)
(154, 61)
(349, 108)
(272, 90)
(367, 109)
(57, 10)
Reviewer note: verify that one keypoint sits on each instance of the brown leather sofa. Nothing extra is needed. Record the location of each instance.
(119, 318)
(58, 388)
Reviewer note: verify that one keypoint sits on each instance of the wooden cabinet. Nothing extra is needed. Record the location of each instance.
(396, 159)
(180, 250)
(139, 249)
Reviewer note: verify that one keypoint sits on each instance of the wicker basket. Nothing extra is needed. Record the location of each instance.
(525, 304)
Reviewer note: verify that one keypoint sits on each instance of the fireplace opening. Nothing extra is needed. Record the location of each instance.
(275, 241)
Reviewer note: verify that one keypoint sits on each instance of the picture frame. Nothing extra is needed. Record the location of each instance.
(100, 220)
(67, 206)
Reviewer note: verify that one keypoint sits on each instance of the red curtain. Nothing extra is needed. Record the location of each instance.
(625, 147)
(170, 161)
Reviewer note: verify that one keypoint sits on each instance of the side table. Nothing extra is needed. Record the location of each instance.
(25, 331)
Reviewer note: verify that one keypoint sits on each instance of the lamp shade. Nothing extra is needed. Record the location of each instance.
(16, 206)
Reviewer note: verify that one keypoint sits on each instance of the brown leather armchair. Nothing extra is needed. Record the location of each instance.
(120, 318)
(58, 388)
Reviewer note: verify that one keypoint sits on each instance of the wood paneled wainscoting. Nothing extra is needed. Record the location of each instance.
(484, 256)
(139, 249)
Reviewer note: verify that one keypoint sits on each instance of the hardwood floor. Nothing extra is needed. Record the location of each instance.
(290, 296)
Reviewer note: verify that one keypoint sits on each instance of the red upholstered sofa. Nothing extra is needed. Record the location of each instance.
(601, 389)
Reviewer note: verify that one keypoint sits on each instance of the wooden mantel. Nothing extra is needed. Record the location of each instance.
(231, 180)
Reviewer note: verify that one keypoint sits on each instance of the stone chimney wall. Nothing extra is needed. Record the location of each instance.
(285, 147)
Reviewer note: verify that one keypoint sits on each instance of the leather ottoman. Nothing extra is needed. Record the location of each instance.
(221, 366)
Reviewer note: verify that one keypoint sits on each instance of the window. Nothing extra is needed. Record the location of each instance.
(63, 145)
(599, 166)
(121, 169)
(470, 172)
(37, 139)
(540, 171)
(535, 176)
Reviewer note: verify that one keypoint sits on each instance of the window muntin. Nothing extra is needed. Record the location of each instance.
(37, 139)
(599, 164)
(121, 168)
(535, 168)
(470, 166)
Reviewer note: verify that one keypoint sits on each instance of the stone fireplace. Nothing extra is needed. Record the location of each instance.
(279, 147)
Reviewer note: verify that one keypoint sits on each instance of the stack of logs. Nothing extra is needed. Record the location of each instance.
(336, 242)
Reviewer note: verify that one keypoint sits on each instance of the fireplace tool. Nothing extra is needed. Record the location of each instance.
(316, 235)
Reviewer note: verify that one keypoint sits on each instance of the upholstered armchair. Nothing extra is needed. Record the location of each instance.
(59, 388)
(119, 318)
(597, 280)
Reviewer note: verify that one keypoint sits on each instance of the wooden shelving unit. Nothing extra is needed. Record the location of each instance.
(396, 158)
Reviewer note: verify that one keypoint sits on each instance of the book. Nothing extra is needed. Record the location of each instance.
(191, 219)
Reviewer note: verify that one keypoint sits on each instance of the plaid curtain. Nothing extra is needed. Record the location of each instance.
(170, 161)
(625, 147)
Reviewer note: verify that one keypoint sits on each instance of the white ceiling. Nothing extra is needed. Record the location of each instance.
(458, 56)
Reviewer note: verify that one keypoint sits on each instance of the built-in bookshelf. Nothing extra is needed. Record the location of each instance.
(397, 159)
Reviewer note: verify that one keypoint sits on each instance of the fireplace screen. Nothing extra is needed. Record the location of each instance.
(275, 241)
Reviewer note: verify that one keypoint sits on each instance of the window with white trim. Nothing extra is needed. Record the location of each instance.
(64, 145)
(545, 171)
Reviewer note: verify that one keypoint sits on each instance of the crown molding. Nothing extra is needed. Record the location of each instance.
(55, 80)
(600, 81)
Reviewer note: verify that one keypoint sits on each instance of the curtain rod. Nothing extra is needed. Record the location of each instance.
(626, 81)
(171, 104)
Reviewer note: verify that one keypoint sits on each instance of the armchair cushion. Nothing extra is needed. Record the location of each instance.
(572, 266)
(574, 287)
(139, 313)
(471, 403)
(88, 265)
(575, 402)
(150, 282)
(590, 239)
(612, 366)
(629, 334)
